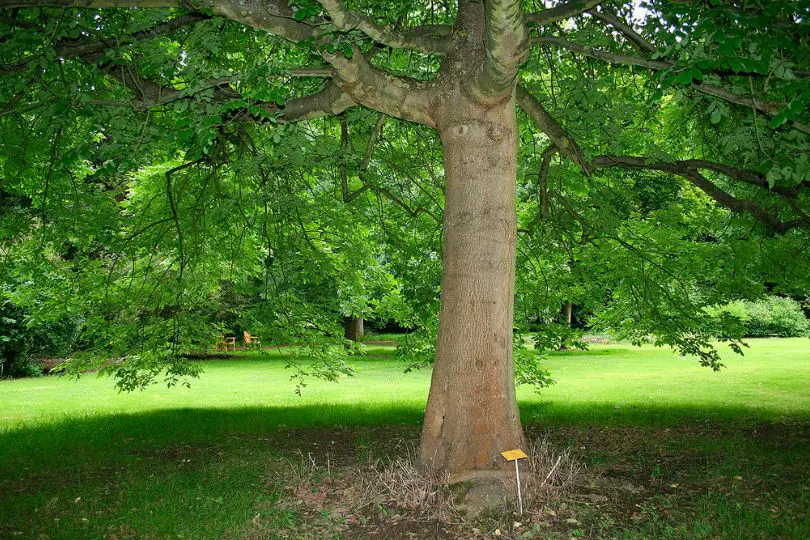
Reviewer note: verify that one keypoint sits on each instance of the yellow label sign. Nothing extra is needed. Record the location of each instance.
(512, 455)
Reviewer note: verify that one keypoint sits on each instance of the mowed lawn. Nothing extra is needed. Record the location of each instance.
(771, 380)
(671, 450)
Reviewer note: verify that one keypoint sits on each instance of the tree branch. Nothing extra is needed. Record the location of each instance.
(18, 23)
(542, 179)
(639, 41)
(376, 89)
(390, 36)
(344, 146)
(607, 56)
(329, 101)
(563, 142)
(72, 48)
(770, 108)
(566, 10)
(274, 16)
(689, 170)
(90, 51)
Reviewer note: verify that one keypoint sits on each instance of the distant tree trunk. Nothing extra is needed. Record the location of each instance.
(567, 312)
(567, 319)
(472, 412)
(353, 328)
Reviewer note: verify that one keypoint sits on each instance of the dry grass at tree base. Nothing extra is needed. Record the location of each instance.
(391, 498)
(709, 481)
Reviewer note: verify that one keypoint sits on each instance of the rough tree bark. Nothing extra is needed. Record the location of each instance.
(472, 413)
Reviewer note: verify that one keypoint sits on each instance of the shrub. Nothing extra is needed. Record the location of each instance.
(15, 343)
(767, 317)
(776, 316)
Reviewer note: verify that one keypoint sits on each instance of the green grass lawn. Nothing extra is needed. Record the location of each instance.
(223, 458)
(770, 381)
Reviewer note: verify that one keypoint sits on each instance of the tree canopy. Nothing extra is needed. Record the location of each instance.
(171, 168)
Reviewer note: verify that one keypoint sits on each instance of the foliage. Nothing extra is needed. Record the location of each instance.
(15, 343)
(772, 316)
(139, 228)
(528, 370)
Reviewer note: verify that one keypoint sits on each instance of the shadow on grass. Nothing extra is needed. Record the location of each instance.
(590, 351)
(101, 434)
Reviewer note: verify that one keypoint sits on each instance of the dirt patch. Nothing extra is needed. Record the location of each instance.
(209, 356)
(48, 364)
(594, 339)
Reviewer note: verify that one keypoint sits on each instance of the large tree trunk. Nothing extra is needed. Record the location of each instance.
(472, 412)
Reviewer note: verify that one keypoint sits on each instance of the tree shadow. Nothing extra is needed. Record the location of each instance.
(103, 434)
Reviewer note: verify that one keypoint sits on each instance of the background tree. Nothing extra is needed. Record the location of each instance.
(667, 159)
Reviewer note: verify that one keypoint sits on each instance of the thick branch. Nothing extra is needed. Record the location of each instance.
(376, 89)
(390, 36)
(348, 196)
(542, 179)
(566, 145)
(607, 56)
(771, 108)
(94, 3)
(73, 48)
(689, 171)
(506, 46)
(89, 51)
(274, 16)
(148, 92)
(18, 23)
(329, 101)
(572, 8)
(749, 177)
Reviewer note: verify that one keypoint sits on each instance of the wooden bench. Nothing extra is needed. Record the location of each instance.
(251, 341)
(224, 342)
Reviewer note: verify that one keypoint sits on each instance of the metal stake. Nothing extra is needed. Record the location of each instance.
(517, 479)
(516, 455)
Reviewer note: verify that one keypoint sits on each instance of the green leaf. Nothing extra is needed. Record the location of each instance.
(773, 176)
(778, 120)
(685, 77)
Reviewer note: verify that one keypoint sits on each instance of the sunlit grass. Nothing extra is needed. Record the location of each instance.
(771, 380)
